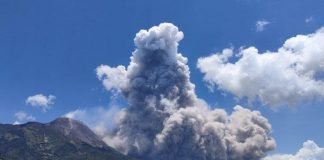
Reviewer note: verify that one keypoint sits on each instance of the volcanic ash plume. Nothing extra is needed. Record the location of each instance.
(165, 120)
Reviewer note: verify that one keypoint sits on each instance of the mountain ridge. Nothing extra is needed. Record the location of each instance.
(61, 139)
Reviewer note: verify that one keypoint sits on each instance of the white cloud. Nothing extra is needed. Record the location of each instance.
(261, 25)
(309, 151)
(41, 101)
(288, 76)
(23, 117)
(112, 78)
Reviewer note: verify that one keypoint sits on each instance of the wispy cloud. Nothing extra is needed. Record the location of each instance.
(261, 25)
(309, 19)
(23, 117)
(100, 119)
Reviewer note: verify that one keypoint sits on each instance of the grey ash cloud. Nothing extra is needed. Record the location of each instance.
(165, 120)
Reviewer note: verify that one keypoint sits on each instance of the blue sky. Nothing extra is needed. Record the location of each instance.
(54, 47)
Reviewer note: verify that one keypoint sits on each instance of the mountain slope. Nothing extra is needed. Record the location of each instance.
(60, 139)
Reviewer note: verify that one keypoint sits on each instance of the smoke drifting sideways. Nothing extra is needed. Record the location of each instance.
(165, 120)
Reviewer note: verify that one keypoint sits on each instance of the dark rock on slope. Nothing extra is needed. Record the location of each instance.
(61, 139)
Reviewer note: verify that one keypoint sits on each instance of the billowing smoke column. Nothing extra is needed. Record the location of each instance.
(165, 120)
